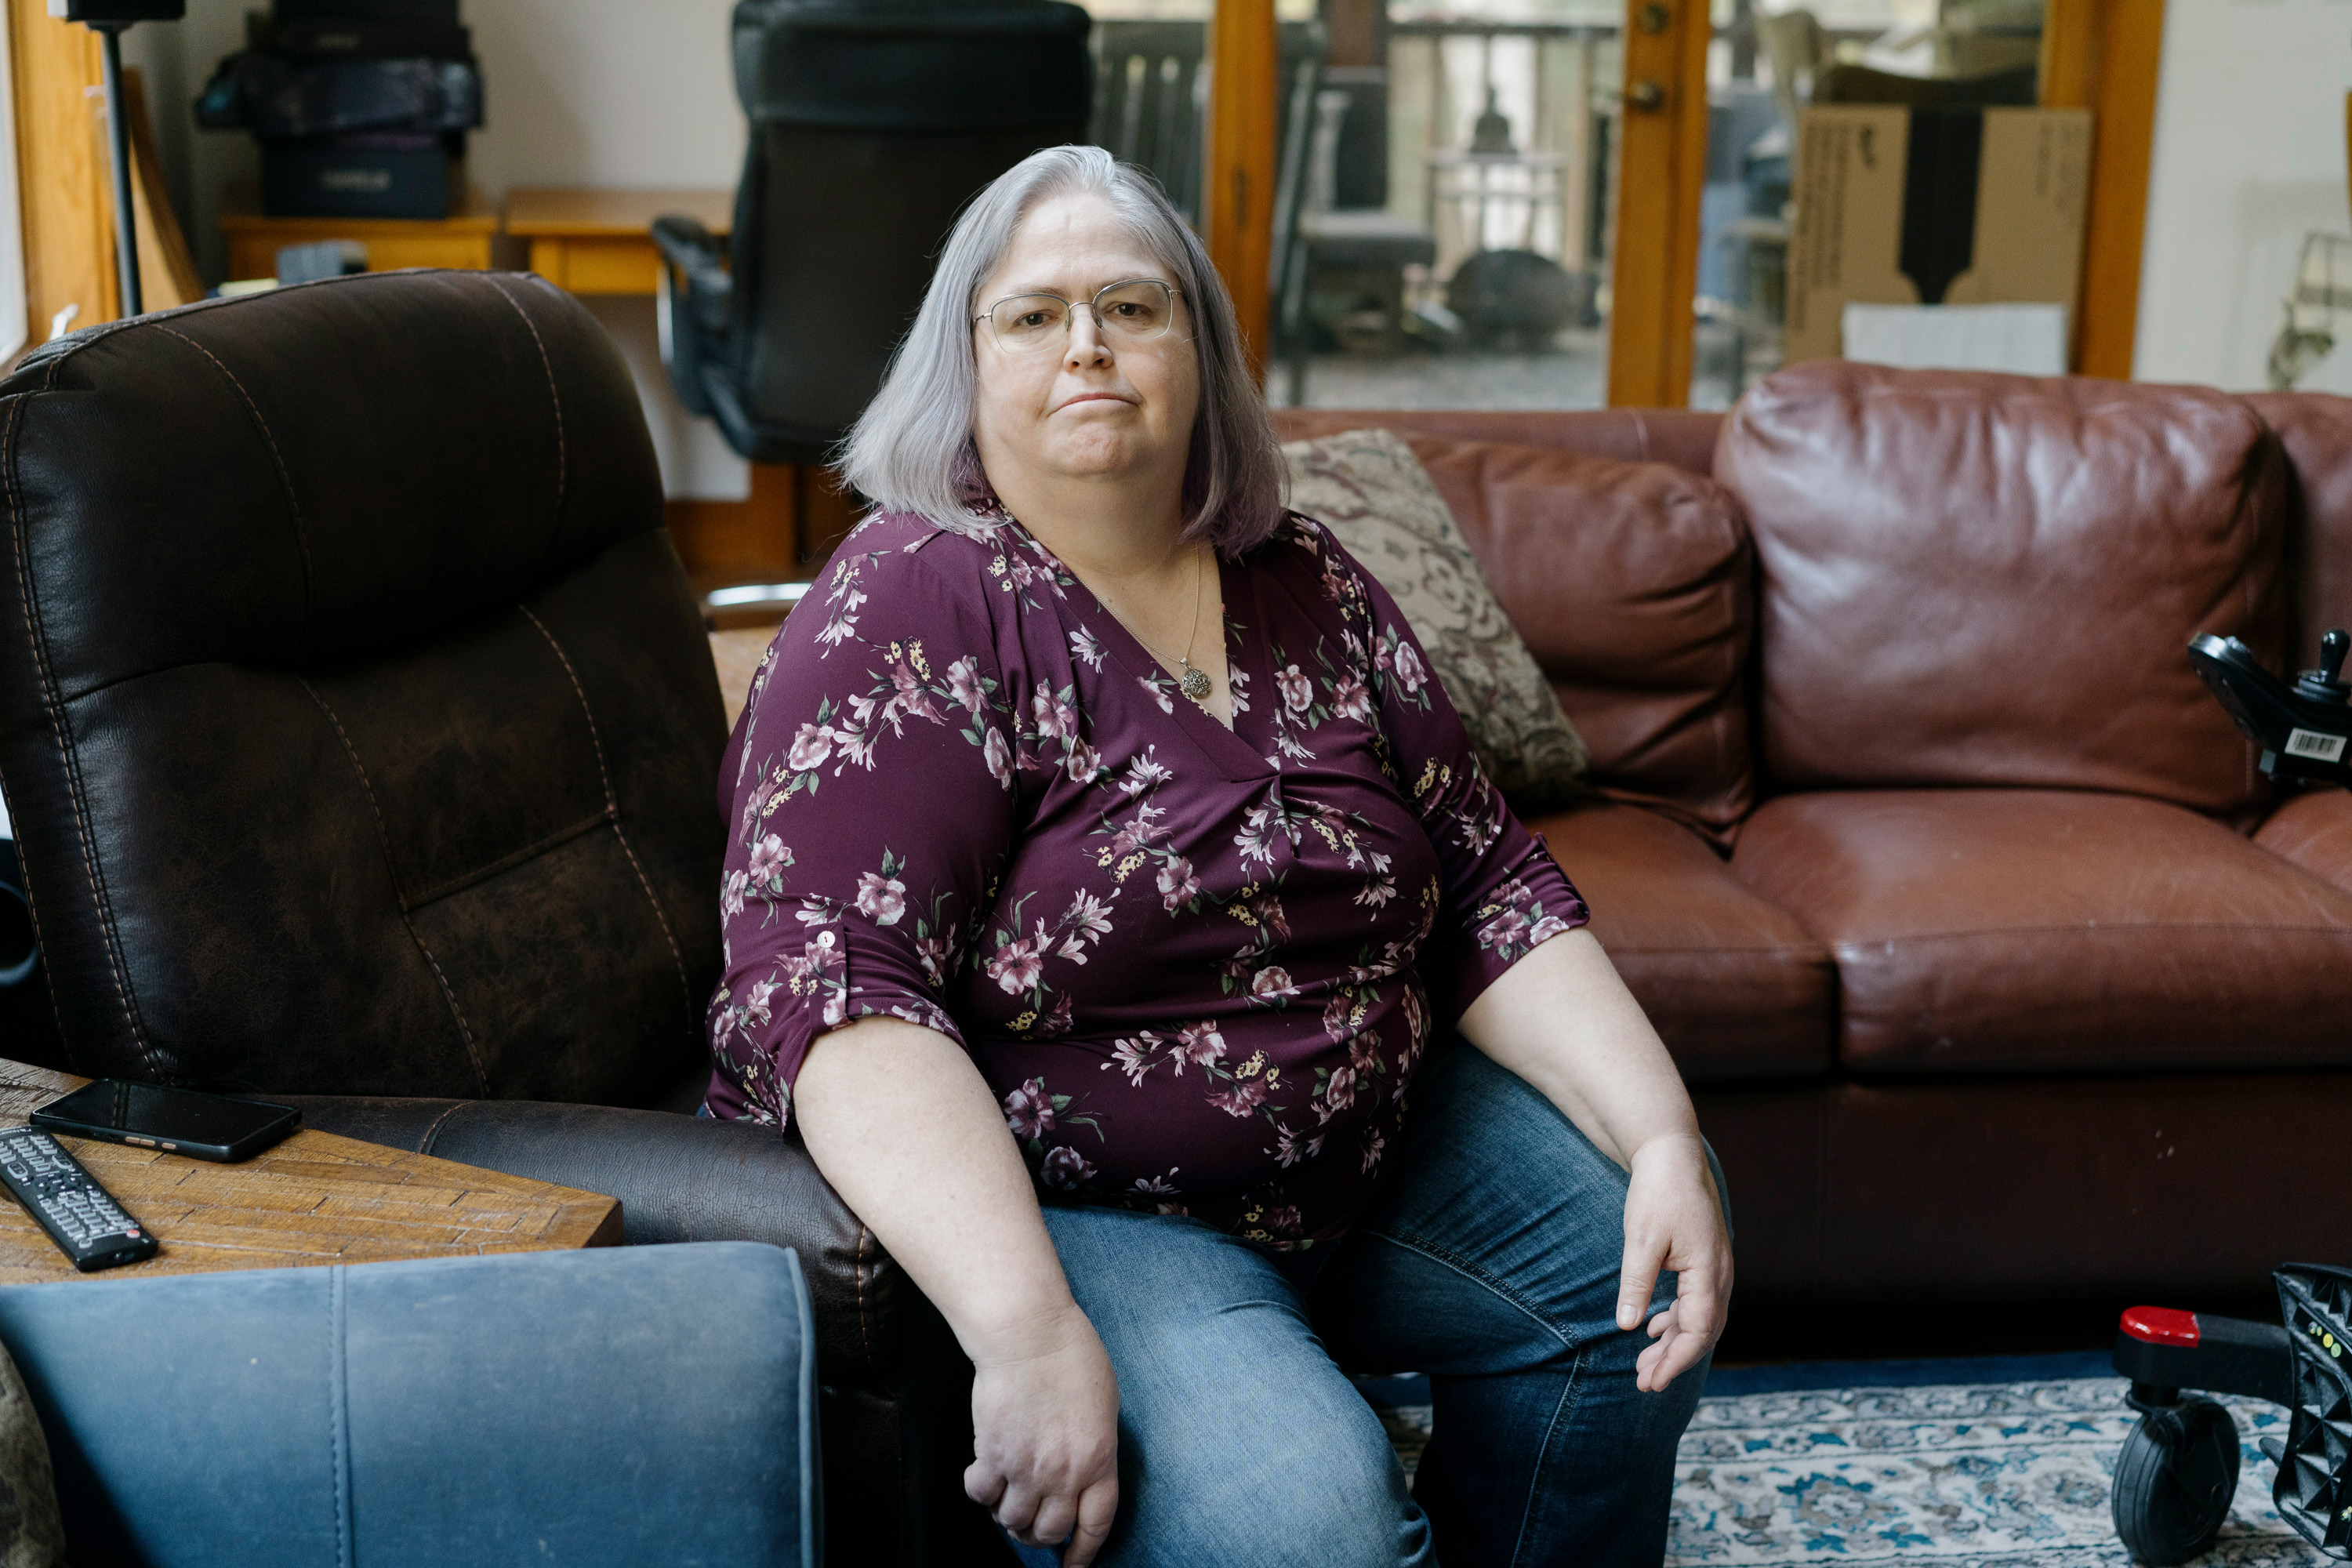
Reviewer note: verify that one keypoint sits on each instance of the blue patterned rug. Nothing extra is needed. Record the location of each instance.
(1995, 1463)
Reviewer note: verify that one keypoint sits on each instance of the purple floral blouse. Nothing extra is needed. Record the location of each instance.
(1197, 967)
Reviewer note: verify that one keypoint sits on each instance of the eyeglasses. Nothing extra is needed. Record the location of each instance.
(1134, 311)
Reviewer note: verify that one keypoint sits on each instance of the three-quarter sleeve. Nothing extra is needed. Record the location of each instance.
(1501, 891)
(869, 798)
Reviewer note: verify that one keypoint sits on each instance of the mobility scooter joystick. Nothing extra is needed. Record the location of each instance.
(2178, 1470)
(2302, 728)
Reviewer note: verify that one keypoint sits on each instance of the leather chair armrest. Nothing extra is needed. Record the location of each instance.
(679, 1178)
(700, 260)
(694, 303)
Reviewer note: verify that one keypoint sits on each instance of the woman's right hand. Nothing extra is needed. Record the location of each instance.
(1044, 1422)
(955, 1207)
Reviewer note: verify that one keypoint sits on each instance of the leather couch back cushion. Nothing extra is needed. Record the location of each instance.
(359, 728)
(1632, 585)
(1678, 435)
(1974, 579)
(2315, 430)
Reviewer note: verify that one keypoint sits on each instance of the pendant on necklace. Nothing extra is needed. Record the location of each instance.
(1196, 684)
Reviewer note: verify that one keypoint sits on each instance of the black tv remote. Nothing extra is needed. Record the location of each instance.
(81, 1217)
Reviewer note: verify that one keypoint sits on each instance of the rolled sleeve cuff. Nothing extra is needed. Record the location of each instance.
(1528, 903)
(842, 968)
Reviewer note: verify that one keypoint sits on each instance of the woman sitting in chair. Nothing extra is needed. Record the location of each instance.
(1115, 901)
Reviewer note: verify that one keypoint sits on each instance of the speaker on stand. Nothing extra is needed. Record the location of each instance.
(109, 19)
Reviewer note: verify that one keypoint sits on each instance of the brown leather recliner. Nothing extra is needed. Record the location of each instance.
(360, 735)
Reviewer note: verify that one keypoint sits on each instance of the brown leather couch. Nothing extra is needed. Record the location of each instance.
(1997, 969)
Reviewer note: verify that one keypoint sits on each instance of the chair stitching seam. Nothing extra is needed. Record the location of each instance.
(433, 1133)
(612, 811)
(383, 842)
(504, 863)
(563, 457)
(67, 753)
(285, 479)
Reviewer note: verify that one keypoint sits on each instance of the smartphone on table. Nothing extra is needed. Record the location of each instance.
(173, 1121)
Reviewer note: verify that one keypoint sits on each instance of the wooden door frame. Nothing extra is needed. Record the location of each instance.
(2105, 55)
(65, 192)
(2101, 54)
(1661, 166)
(1239, 163)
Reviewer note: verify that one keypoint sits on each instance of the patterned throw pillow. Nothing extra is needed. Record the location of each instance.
(32, 1533)
(1369, 489)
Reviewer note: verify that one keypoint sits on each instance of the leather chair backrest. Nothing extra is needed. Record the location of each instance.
(358, 724)
(1151, 85)
(1972, 579)
(871, 127)
(1151, 91)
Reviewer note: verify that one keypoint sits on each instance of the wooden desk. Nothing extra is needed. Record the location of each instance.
(466, 239)
(315, 1198)
(596, 242)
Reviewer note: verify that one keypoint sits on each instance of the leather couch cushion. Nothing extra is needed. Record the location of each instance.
(1631, 583)
(2315, 430)
(1737, 988)
(359, 728)
(2314, 831)
(1981, 579)
(2048, 930)
(1681, 436)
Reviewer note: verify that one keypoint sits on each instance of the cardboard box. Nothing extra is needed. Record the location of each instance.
(1927, 207)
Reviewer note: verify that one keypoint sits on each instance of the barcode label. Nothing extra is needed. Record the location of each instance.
(2312, 743)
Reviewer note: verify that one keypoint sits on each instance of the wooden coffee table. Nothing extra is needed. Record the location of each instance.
(315, 1198)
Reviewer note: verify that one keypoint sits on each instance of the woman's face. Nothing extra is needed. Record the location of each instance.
(1084, 408)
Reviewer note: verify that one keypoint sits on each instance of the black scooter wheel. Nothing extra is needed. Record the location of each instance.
(2174, 1482)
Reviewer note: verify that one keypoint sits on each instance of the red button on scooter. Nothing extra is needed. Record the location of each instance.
(2160, 1325)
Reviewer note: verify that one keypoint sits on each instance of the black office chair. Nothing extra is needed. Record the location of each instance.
(871, 127)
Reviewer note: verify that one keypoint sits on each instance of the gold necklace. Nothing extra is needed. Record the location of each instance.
(1195, 683)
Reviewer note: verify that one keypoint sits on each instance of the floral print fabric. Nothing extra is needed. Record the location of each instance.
(1371, 493)
(1197, 967)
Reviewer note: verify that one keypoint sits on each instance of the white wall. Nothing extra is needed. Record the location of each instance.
(2249, 157)
(580, 92)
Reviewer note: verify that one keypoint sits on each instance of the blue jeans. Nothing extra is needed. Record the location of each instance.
(1490, 1261)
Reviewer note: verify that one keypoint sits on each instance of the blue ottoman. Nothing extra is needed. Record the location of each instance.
(624, 1406)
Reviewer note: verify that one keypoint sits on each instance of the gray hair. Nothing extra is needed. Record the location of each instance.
(912, 448)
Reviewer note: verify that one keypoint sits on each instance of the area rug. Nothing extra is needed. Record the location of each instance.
(1997, 1463)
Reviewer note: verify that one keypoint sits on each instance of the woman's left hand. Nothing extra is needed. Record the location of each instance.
(1674, 1219)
